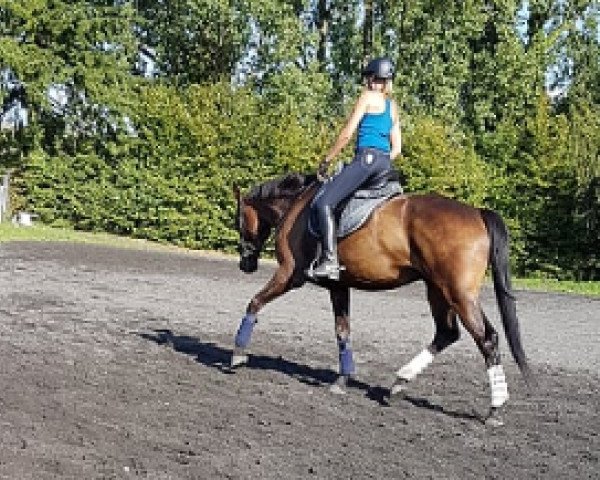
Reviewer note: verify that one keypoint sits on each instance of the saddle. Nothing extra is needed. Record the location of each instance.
(353, 212)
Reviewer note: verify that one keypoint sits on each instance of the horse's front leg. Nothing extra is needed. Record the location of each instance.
(275, 287)
(340, 301)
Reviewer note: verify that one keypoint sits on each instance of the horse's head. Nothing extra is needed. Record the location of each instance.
(262, 210)
(253, 230)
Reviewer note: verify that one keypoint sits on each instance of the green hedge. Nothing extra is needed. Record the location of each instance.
(172, 181)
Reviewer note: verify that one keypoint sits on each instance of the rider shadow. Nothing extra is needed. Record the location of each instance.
(214, 356)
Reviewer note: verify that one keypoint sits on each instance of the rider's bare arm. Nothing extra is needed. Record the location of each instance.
(350, 128)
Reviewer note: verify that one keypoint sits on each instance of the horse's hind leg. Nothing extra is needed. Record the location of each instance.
(446, 333)
(340, 300)
(486, 339)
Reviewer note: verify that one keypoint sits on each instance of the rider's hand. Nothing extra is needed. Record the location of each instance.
(322, 170)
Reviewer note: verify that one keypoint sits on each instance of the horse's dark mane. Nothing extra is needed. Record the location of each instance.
(287, 186)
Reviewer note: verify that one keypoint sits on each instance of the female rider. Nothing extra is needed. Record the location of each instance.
(378, 142)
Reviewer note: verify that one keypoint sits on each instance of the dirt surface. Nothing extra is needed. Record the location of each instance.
(113, 364)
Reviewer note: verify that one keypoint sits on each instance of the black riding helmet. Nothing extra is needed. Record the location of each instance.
(381, 67)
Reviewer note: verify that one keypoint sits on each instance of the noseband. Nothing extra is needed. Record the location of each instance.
(247, 248)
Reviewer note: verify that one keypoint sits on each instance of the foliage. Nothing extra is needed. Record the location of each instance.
(195, 40)
(73, 61)
(440, 160)
(499, 104)
(175, 184)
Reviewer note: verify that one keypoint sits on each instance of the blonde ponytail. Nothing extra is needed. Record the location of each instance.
(388, 88)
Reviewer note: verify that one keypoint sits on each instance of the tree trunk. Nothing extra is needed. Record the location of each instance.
(368, 32)
(323, 28)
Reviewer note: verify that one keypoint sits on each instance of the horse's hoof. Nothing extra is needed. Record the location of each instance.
(397, 388)
(238, 359)
(494, 418)
(339, 386)
(337, 390)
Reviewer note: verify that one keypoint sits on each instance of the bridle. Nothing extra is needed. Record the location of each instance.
(246, 248)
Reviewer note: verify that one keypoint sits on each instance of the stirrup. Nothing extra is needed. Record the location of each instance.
(325, 270)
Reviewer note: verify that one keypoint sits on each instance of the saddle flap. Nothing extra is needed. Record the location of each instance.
(358, 209)
(351, 214)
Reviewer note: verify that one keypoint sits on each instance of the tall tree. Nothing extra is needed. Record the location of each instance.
(322, 23)
(368, 31)
(74, 60)
(196, 41)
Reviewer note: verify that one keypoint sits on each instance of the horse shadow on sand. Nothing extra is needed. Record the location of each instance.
(214, 356)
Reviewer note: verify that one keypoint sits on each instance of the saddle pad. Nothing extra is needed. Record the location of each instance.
(357, 209)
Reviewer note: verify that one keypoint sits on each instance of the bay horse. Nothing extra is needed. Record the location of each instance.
(443, 242)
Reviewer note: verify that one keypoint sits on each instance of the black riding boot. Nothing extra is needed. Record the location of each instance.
(327, 266)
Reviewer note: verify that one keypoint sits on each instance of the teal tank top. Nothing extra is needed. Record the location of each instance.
(374, 130)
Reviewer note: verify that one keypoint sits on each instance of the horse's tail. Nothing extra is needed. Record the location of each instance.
(498, 234)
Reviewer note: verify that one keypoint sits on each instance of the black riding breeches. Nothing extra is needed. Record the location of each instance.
(367, 164)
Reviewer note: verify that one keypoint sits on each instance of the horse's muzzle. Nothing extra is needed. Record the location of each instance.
(249, 264)
(248, 256)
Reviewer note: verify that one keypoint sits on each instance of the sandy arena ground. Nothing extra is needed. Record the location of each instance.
(113, 364)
